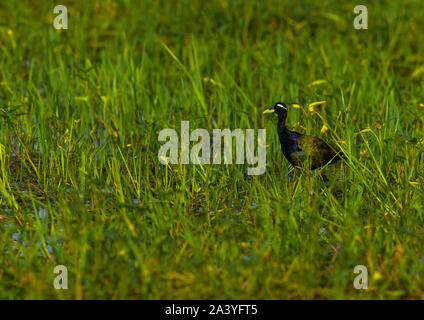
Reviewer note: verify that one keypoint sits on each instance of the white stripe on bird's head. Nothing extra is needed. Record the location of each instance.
(280, 105)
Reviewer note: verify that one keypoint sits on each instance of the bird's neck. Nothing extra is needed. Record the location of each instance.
(282, 122)
(287, 138)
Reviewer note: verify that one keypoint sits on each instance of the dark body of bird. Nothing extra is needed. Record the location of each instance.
(302, 150)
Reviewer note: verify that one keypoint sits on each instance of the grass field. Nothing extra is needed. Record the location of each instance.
(80, 180)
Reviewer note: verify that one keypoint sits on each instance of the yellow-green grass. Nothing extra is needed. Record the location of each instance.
(80, 180)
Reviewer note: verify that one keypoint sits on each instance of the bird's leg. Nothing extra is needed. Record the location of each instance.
(291, 168)
(323, 176)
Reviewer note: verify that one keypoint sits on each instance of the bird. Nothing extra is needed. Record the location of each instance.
(300, 150)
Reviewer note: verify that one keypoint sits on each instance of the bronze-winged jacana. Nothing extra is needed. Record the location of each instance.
(302, 150)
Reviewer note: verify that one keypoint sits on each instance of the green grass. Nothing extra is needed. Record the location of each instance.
(80, 180)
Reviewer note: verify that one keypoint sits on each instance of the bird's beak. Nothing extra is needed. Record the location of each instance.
(270, 110)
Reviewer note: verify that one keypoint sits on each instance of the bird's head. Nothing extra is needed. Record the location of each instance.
(280, 108)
